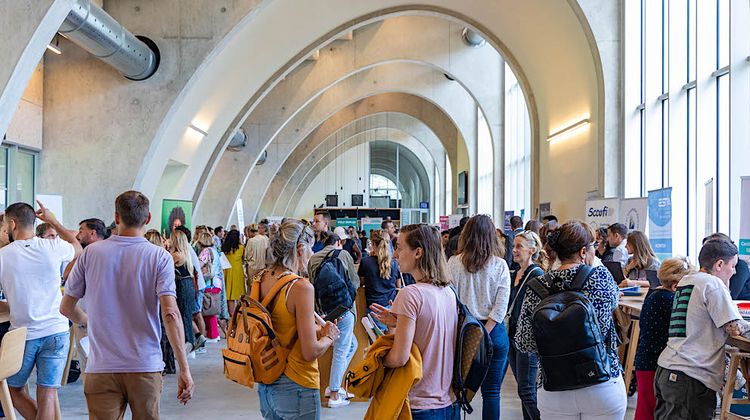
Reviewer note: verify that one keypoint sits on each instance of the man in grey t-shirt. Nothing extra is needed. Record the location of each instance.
(691, 367)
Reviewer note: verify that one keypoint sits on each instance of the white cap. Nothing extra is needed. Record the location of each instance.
(340, 232)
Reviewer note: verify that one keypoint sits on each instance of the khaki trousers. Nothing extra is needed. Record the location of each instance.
(108, 394)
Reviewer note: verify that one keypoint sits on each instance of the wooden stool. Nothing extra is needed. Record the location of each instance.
(738, 361)
(11, 359)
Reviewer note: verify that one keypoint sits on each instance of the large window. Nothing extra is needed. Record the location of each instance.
(382, 186)
(517, 148)
(678, 110)
(485, 190)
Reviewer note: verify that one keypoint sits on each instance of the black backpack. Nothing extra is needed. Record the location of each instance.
(332, 285)
(472, 357)
(572, 351)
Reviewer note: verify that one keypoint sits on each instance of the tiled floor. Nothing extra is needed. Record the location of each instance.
(217, 397)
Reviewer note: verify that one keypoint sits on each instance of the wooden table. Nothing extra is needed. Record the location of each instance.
(631, 305)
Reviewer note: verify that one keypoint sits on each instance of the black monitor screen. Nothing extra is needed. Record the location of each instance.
(358, 200)
(332, 200)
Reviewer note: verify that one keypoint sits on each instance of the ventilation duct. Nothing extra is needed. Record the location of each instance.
(472, 38)
(92, 29)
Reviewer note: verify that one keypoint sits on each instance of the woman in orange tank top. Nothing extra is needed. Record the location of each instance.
(296, 394)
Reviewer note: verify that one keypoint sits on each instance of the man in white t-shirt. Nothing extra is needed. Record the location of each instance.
(30, 279)
(255, 251)
(691, 367)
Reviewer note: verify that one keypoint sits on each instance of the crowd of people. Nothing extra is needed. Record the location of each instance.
(187, 286)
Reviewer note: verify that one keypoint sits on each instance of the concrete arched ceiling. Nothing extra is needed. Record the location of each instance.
(413, 78)
(295, 170)
(530, 34)
(432, 41)
(310, 167)
(217, 203)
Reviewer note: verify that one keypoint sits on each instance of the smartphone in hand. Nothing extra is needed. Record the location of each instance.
(335, 314)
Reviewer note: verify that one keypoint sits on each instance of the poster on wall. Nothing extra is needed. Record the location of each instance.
(545, 209)
(506, 221)
(745, 218)
(54, 203)
(660, 222)
(274, 220)
(175, 213)
(602, 212)
(371, 223)
(454, 220)
(634, 213)
(443, 222)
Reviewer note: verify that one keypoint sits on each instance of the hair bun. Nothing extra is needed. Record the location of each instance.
(553, 238)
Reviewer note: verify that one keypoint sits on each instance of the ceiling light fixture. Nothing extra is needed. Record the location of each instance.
(56, 47)
(569, 129)
(202, 132)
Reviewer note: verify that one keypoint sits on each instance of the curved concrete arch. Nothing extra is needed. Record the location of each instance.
(310, 167)
(408, 77)
(432, 42)
(297, 166)
(414, 165)
(216, 204)
(32, 29)
(411, 78)
(536, 32)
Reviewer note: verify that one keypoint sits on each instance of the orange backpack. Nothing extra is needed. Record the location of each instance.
(254, 353)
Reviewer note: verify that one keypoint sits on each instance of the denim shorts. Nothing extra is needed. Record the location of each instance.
(198, 302)
(49, 354)
(285, 399)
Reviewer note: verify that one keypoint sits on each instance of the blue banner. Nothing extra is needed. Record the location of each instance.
(660, 222)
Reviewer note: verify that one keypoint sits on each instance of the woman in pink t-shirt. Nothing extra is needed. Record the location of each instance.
(425, 314)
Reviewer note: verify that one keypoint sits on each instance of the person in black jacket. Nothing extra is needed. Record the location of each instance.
(739, 284)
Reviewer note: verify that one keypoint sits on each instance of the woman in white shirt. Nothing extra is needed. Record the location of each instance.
(482, 281)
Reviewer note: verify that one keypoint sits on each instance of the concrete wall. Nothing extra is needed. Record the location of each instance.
(98, 124)
(25, 128)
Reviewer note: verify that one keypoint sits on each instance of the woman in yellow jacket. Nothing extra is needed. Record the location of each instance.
(234, 278)
(424, 314)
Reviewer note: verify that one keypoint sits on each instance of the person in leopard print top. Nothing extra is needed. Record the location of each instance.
(574, 244)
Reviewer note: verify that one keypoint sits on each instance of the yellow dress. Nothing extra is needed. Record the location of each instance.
(234, 278)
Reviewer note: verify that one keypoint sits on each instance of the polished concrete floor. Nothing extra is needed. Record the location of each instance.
(216, 396)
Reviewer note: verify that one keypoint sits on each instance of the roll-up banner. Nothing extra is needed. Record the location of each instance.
(602, 212)
(634, 213)
(660, 222)
(745, 219)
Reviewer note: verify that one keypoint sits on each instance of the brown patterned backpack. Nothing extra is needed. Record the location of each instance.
(472, 357)
(254, 353)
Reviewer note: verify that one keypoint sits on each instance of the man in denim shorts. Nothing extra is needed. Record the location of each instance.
(30, 280)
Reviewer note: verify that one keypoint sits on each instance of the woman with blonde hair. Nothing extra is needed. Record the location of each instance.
(642, 260)
(482, 280)
(424, 314)
(296, 394)
(153, 236)
(531, 260)
(185, 283)
(654, 324)
(380, 272)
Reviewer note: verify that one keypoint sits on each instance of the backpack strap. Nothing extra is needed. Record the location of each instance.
(280, 284)
(584, 270)
(536, 286)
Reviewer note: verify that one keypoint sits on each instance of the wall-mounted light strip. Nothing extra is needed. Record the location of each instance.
(202, 132)
(569, 129)
(54, 49)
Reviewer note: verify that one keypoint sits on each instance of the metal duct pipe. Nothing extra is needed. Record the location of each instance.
(92, 29)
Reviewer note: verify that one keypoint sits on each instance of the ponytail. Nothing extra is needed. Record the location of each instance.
(383, 253)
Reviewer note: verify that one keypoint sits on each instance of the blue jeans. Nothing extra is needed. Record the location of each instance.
(494, 380)
(49, 354)
(286, 400)
(343, 350)
(525, 367)
(451, 412)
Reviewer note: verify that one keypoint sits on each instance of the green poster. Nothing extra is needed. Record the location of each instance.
(346, 222)
(175, 213)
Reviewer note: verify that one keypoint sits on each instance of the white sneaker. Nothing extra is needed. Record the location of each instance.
(191, 355)
(201, 350)
(341, 402)
(327, 393)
